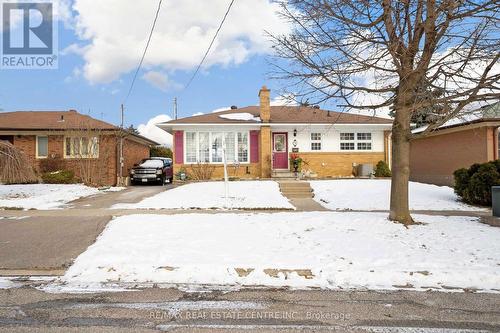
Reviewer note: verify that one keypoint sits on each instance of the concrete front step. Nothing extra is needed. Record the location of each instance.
(296, 189)
(298, 195)
(283, 174)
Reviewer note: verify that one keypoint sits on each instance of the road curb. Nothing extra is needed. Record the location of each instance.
(31, 272)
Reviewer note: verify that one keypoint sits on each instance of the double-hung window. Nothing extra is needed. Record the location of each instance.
(191, 143)
(217, 147)
(207, 147)
(42, 146)
(356, 141)
(315, 141)
(204, 147)
(242, 147)
(347, 141)
(364, 141)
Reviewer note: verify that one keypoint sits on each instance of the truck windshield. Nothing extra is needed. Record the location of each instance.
(151, 164)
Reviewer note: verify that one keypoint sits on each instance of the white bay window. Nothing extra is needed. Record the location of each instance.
(207, 147)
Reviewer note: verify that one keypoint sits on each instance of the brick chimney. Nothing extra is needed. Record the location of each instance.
(265, 104)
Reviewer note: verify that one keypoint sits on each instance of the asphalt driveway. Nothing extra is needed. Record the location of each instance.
(32, 243)
(45, 244)
(132, 194)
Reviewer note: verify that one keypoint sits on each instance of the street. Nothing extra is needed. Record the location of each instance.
(27, 309)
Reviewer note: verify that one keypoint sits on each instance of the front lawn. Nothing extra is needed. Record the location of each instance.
(328, 250)
(42, 196)
(211, 195)
(374, 194)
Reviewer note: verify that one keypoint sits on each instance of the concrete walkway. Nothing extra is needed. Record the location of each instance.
(300, 194)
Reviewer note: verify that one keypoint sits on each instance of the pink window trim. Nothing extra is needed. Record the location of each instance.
(254, 146)
(179, 147)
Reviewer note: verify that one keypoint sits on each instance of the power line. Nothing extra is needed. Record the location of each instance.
(145, 50)
(210, 46)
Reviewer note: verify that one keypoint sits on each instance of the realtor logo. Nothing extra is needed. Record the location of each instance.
(28, 36)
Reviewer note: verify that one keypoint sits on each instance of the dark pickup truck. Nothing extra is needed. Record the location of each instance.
(152, 170)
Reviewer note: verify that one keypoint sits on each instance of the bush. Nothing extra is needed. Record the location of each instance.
(51, 164)
(473, 185)
(59, 177)
(462, 179)
(382, 170)
(160, 151)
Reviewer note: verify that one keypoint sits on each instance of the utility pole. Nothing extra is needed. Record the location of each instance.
(120, 175)
(175, 108)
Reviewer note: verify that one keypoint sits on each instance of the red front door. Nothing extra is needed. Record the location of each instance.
(280, 151)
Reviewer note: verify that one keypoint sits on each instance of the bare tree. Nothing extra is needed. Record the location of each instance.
(90, 152)
(402, 56)
(14, 166)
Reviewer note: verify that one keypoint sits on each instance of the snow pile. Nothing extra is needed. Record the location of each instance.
(211, 195)
(321, 249)
(240, 116)
(9, 283)
(42, 196)
(374, 194)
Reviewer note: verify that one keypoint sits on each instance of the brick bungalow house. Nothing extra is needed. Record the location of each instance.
(457, 144)
(260, 139)
(77, 142)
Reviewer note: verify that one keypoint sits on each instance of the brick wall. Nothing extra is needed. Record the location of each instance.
(133, 153)
(265, 151)
(218, 170)
(27, 144)
(338, 164)
(103, 169)
(433, 159)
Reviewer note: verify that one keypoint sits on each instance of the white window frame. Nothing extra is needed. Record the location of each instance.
(316, 141)
(89, 156)
(369, 141)
(356, 141)
(196, 142)
(36, 148)
(210, 150)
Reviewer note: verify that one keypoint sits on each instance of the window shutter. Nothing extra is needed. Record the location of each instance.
(179, 147)
(254, 146)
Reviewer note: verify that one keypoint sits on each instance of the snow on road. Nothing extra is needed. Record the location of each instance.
(211, 195)
(318, 249)
(42, 196)
(374, 194)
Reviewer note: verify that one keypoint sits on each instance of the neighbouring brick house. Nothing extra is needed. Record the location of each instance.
(260, 139)
(77, 142)
(459, 143)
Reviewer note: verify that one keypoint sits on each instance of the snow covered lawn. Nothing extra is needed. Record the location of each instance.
(374, 194)
(42, 196)
(210, 195)
(318, 249)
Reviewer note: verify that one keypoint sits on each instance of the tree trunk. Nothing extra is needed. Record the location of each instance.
(399, 210)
